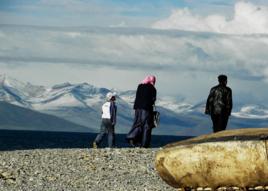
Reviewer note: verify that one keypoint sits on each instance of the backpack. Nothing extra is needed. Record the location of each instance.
(156, 118)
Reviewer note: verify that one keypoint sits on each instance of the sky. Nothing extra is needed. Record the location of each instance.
(186, 44)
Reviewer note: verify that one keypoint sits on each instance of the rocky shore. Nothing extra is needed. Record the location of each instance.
(49, 161)
(124, 169)
(80, 169)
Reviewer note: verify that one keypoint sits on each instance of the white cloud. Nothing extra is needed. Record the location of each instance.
(247, 19)
(185, 62)
(245, 55)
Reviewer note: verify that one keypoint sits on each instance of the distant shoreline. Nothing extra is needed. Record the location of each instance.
(25, 140)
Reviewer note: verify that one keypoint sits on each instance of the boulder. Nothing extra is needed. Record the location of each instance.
(224, 159)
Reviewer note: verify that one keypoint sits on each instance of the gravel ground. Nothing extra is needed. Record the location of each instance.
(125, 169)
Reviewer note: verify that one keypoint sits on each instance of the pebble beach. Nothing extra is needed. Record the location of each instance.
(80, 169)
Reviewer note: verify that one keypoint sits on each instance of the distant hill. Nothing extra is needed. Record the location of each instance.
(19, 118)
(80, 104)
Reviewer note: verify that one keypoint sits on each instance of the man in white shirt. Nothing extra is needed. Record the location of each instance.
(109, 110)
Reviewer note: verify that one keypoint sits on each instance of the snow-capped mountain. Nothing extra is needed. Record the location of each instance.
(78, 103)
(16, 92)
(252, 112)
(81, 104)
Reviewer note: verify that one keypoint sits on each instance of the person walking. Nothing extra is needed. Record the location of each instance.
(140, 133)
(109, 110)
(219, 104)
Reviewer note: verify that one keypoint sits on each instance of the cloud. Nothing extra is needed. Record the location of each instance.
(185, 62)
(188, 61)
(247, 19)
(244, 56)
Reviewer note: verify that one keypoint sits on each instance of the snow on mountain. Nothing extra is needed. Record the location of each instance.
(81, 104)
(18, 93)
(173, 105)
(80, 92)
(63, 100)
(252, 112)
(128, 96)
(42, 98)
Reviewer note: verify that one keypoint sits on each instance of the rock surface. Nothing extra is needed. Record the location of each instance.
(80, 169)
(226, 159)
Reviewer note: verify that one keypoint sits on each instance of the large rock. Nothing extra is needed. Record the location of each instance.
(228, 158)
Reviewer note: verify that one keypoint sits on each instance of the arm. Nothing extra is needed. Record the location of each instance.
(154, 96)
(229, 102)
(113, 110)
(209, 103)
(137, 97)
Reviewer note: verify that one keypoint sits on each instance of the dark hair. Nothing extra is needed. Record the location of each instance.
(222, 78)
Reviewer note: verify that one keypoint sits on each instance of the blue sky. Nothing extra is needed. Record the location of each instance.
(185, 43)
(98, 12)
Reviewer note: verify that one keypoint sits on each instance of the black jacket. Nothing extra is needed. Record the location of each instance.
(145, 97)
(219, 100)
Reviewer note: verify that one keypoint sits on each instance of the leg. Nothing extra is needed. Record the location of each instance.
(146, 137)
(101, 134)
(134, 133)
(216, 122)
(224, 121)
(111, 142)
(146, 129)
(213, 119)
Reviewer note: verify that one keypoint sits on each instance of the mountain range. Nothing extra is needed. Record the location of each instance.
(77, 107)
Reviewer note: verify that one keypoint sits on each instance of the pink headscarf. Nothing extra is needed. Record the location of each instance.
(149, 80)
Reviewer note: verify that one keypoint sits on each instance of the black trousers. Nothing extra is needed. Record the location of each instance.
(141, 130)
(219, 122)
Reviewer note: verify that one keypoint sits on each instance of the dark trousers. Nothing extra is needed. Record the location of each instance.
(219, 122)
(106, 127)
(141, 130)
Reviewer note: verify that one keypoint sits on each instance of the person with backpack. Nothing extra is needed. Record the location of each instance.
(219, 104)
(140, 133)
(109, 110)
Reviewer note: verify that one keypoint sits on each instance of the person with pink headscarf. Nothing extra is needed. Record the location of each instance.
(140, 133)
(149, 79)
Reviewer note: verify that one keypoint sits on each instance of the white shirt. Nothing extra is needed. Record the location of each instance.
(106, 114)
(109, 111)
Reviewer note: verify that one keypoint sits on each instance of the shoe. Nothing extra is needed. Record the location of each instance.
(94, 145)
(131, 142)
